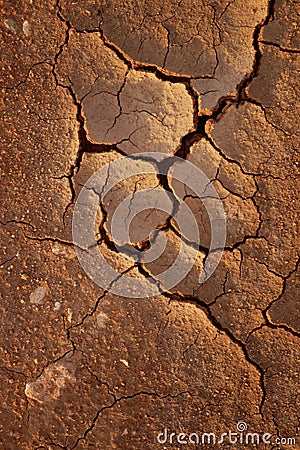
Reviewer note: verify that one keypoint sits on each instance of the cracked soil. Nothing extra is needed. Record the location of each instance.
(85, 83)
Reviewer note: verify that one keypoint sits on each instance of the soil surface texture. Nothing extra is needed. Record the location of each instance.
(210, 85)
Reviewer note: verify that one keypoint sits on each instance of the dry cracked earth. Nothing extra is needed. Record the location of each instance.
(85, 83)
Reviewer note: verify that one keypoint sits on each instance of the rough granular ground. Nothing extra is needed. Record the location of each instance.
(85, 83)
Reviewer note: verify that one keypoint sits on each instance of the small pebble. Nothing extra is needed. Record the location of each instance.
(101, 319)
(26, 30)
(69, 315)
(10, 24)
(56, 250)
(124, 362)
(37, 296)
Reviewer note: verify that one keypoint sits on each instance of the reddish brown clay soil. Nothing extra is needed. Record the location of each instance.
(85, 83)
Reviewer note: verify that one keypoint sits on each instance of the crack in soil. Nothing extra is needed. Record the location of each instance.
(214, 321)
(281, 48)
(121, 399)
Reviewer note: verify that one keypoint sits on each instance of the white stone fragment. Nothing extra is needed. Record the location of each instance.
(57, 306)
(69, 315)
(26, 29)
(37, 296)
(124, 362)
(101, 319)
